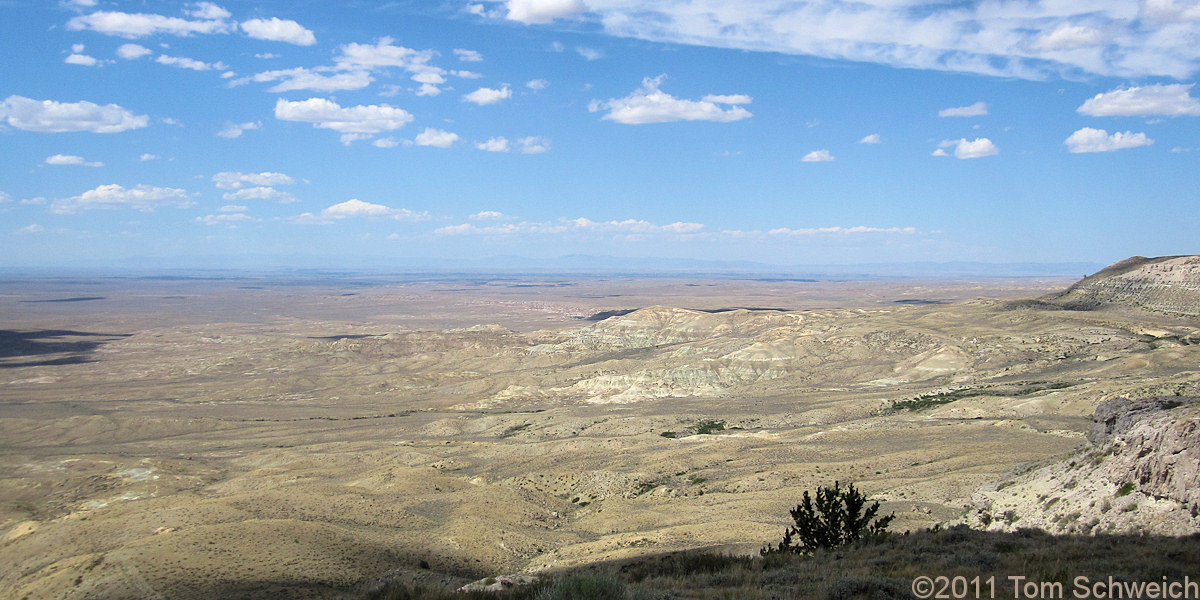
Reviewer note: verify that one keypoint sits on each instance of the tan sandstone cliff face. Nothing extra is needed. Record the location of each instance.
(1166, 284)
(1141, 474)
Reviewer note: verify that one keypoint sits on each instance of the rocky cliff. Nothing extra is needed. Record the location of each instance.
(1168, 284)
(1139, 474)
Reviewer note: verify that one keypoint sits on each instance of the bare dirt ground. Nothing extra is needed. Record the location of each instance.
(303, 437)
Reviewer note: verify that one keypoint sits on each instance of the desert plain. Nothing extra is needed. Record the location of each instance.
(308, 435)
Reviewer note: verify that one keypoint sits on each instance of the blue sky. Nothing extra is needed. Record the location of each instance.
(200, 133)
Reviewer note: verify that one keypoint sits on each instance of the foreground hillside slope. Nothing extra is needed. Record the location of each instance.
(309, 458)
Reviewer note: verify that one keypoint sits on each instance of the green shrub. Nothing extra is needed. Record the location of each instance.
(1125, 489)
(836, 518)
(584, 586)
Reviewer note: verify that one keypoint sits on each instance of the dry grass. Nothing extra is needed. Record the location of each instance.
(881, 569)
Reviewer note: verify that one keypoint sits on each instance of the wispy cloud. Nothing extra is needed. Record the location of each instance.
(978, 109)
(484, 96)
(353, 122)
(68, 159)
(818, 156)
(963, 148)
(355, 208)
(581, 225)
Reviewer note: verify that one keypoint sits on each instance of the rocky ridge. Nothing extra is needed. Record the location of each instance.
(1167, 284)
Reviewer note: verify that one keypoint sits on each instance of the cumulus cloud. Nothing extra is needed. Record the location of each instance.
(354, 122)
(582, 225)
(1035, 40)
(542, 11)
(77, 57)
(279, 30)
(67, 159)
(648, 104)
(232, 180)
(496, 144)
(49, 116)
(978, 109)
(144, 198)
(436, 138)
(484, 96)
(382, 54)
(1170, 100)
(356, 208)
(206, 19)
(818, 156)
(468, 55)
(871, 139)
(260, 193)
(235, 130)
(977, 148)
(132, 51)
(1099, 140)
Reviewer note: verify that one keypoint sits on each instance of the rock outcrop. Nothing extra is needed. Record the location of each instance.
(1168, 284)
(1140, 474)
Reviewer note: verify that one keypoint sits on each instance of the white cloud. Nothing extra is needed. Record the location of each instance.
(279, 30)
(132, 51)
(1035, 40)
(728, 99)
(496, 144)
(235, 130)
(871, 139)
(5, 198)
(207, 10)
(143, 197)
(484, 96)
(356, 121)
(187, 63)
(48, 116)
(840, 230)
(1098, 140)
(978, 109)
(28, 229)
(232, 180)
(465, 74)
(1158, 100)
(260, 193)
(534, 145)
(648, 104)
(385, 143)
(542, 11)
(963, 148)
(380, 55)
(537, 84)
(233, 208)
(818, 156)
(589, 53)
(134, 25)
(436, 138)
(301, 78)
(1070, 37)
(356, 208)
(468, 55)
(627, 228)
(67, 159)
(148, 157)
(487, 215)
(77, 57)
(226, 219)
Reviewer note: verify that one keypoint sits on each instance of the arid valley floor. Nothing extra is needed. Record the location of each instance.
(305, 436)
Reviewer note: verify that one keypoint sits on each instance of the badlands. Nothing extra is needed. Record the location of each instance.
(312, 435)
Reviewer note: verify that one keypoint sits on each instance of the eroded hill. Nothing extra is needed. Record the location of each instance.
(291, 459)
